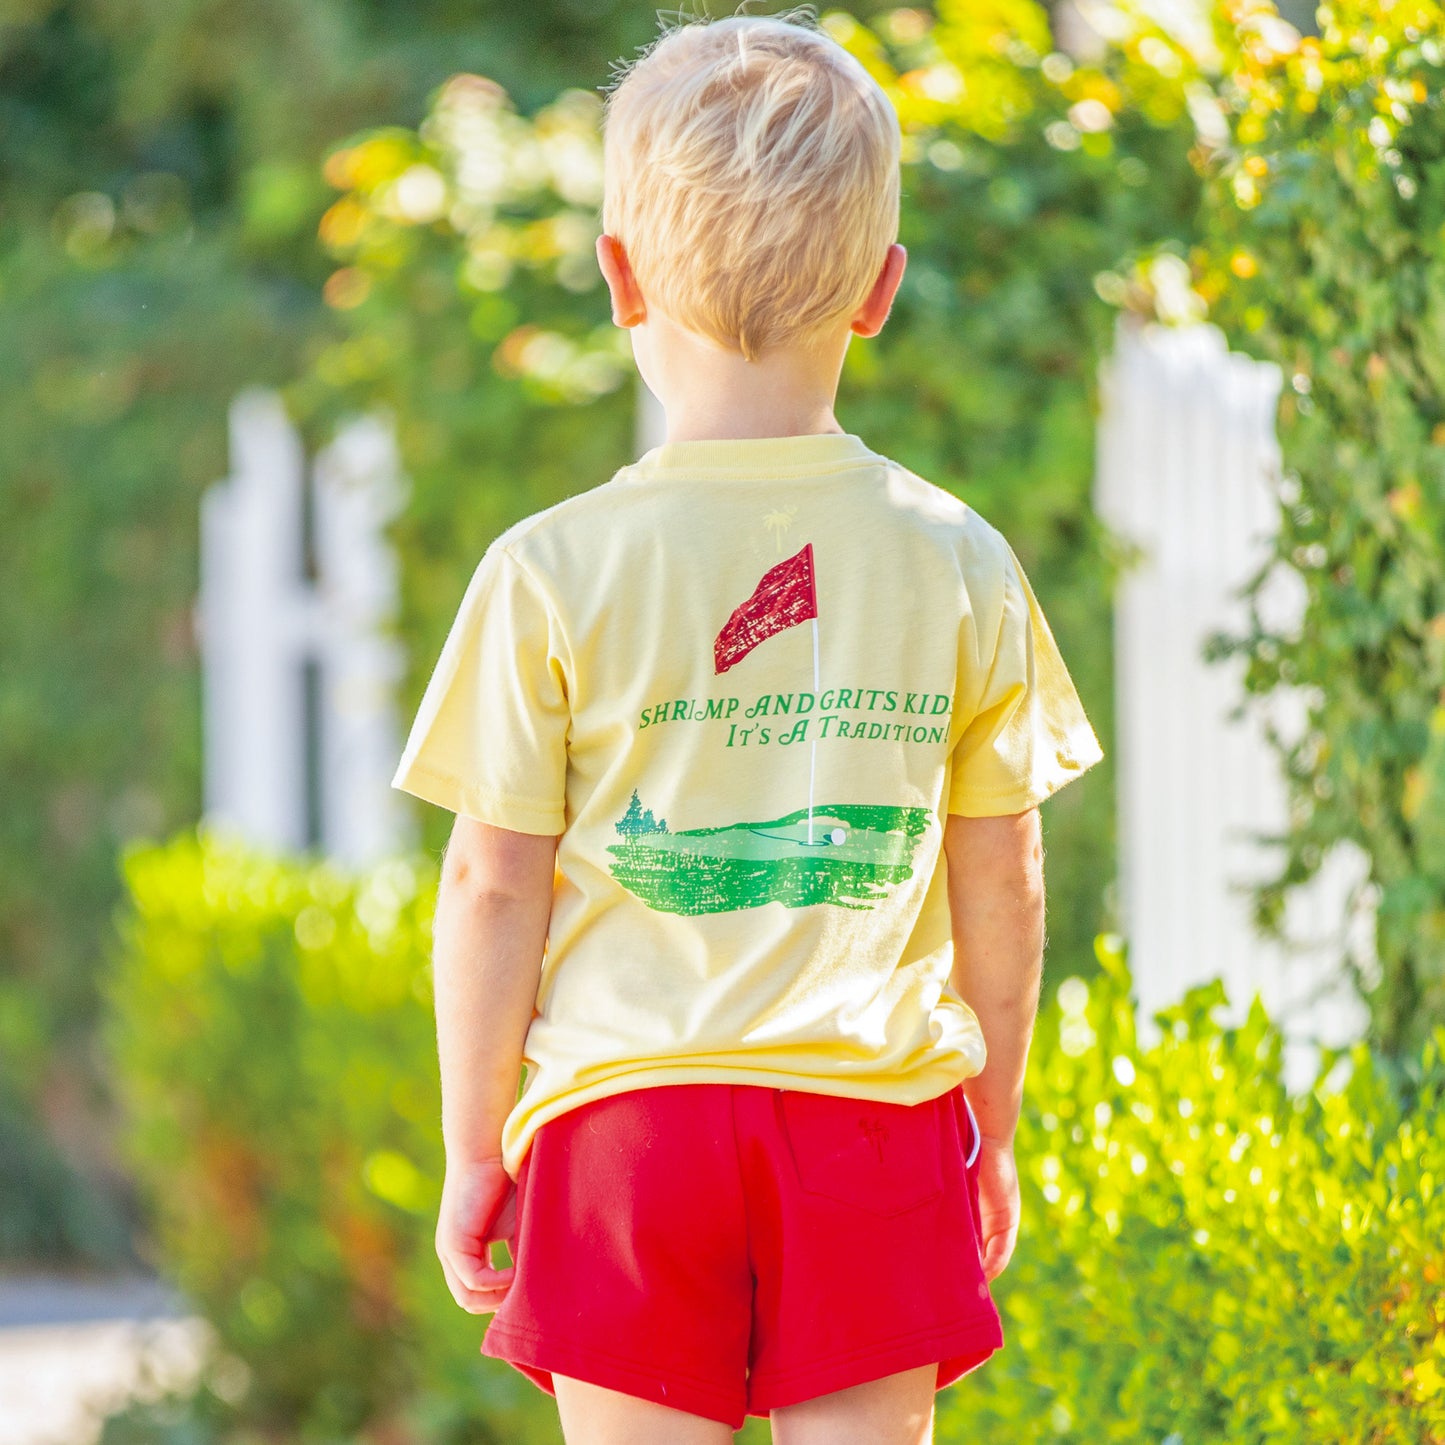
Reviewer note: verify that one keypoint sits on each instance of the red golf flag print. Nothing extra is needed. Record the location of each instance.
(786, 596)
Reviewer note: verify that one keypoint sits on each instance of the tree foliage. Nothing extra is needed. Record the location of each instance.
(468, 287)
(1324, 254)
(160, 188)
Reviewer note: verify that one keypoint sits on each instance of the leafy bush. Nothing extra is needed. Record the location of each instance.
(270, 1030)
(1205, 1257)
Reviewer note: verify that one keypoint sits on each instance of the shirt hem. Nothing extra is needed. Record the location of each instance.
(498, 809)
(994, 805)
(926, 1081)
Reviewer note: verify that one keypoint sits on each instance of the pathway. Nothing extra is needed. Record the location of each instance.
(73, 1349)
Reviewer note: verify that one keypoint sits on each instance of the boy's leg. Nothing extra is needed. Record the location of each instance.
(592, 1415)
(896, 1410)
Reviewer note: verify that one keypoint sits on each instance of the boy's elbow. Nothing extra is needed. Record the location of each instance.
(1010, 846)
(486, 863)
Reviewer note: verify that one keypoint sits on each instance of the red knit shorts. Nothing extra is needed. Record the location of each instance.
(727, 1249)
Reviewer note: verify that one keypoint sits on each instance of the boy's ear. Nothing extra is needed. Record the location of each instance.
(874, 311)
(628, 307)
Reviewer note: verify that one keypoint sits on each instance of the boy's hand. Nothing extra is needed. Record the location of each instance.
(479, 1205)
(998, 1204)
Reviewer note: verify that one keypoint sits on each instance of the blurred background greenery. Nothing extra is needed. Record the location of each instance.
(219, 1065)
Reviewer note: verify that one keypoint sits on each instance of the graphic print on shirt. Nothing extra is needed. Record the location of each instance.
(786, 596)
(859, 851)
(848, 854)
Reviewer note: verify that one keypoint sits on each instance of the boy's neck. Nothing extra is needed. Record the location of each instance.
(710, 394)
(738, 423)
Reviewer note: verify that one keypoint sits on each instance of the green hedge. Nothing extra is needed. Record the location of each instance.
(1203, 1257)
(1206, 1257)
(270, 1030)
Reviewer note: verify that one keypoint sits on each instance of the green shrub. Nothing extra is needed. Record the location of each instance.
(271, 1035)
(1205, 1257)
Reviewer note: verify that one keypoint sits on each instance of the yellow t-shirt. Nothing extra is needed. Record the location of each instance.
(744, 681)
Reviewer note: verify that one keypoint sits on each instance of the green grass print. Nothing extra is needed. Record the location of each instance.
(859, 850)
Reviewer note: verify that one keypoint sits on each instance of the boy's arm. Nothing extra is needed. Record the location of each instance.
(996, 895)
(494, 903)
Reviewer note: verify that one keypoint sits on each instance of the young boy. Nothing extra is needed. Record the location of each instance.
(750, 740)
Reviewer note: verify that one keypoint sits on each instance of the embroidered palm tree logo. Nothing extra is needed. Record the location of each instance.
(778, 521)
(875, 1131)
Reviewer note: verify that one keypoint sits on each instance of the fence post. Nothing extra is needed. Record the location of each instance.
(298, 588)
(1187, 468)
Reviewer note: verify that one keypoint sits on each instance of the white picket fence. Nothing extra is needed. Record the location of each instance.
(298, 591)
(1188, 469)
(302, 732)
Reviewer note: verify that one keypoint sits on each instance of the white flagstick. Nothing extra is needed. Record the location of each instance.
(813, 765)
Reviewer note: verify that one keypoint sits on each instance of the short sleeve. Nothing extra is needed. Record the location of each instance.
(490, 736)
(1028, 735)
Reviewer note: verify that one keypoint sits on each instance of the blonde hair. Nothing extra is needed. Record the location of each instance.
(751, 174)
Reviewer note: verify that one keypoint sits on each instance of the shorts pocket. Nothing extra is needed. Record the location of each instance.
(883, 1158)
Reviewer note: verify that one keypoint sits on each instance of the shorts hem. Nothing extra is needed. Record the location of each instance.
(956, 1351)
(526, 1349)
